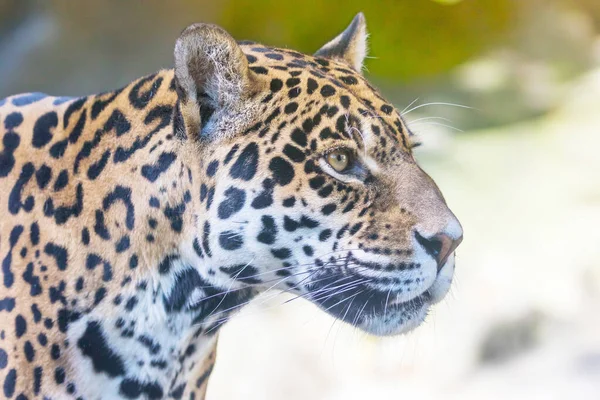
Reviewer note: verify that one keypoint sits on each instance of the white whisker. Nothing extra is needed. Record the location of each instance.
(438, 103)
(408, 106)
(440, 124)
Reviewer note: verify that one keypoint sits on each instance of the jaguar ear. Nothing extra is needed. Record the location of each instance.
(211, 74)
(349, 46)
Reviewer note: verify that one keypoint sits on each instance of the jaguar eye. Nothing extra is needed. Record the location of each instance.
(339, 159)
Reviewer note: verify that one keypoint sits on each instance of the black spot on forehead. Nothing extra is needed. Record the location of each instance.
(349, 80)
(294, 92)
(322, 61)
(263, 49)
(299, 137)
(308, 125)
(291, 82)
(327, 91)
(387, 109)
(345, 100)
(293, 153)
(260, 70)
(274, 56)
(291, 107)
(276, 85)
(311, 86)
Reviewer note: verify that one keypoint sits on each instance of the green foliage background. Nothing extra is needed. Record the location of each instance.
(418, 48)
(410, 39)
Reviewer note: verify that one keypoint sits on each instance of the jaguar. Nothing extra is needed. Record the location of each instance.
(135, 222)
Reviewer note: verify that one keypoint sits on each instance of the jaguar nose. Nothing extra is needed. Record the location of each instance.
(439, 246)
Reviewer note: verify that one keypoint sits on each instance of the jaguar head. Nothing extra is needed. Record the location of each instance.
(309, 184)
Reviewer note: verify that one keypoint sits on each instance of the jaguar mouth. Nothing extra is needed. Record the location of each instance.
(357, 301)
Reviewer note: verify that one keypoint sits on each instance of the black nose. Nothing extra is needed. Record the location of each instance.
(438, 246)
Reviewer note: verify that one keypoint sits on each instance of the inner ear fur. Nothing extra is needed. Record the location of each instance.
(211, 74)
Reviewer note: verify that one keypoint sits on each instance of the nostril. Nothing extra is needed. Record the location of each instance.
(439, 247)
(433, 246)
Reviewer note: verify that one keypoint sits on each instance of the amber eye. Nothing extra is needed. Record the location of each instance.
(339, 159)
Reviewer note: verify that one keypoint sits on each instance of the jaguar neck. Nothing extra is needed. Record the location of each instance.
(169, 303)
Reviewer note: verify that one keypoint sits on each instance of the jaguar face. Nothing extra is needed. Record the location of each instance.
(310, 182)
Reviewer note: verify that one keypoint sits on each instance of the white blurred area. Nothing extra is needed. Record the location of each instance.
(523, 318)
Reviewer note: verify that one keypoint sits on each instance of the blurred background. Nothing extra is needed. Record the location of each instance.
(513, 147)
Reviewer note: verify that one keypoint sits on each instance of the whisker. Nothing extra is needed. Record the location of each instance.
(346, 286)
(439, 124)
(408, 106)
(437, 103)
(229, 289)
(357, 317)
(386, 303)
(238, 306)
(343, 300)
(428, 118)
(351, 286)
(287, 290)
(310, 272)
(320, 291)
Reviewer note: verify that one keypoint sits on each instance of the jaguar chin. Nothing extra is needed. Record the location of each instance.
(382, 305)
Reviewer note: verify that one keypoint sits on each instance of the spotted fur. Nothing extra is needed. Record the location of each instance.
(134, 222)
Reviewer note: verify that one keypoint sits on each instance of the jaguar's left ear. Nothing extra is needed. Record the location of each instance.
(349, 46)
(212, 80)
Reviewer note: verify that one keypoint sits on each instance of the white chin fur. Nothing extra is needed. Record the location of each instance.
(399, 321)
(395, 323)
